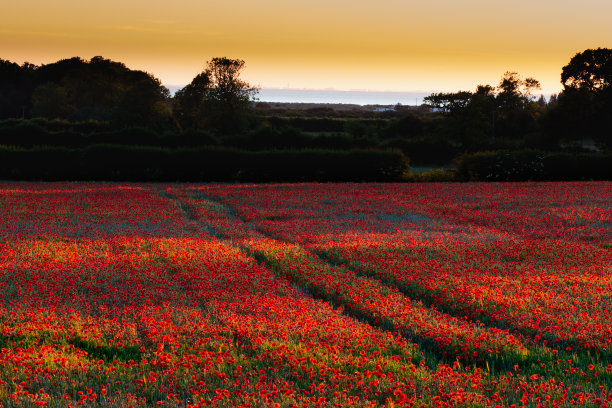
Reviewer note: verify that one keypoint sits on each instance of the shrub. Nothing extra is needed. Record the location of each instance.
(533, 165)
(432, 176)
(23, 133)
(128, 136)
(424, 151)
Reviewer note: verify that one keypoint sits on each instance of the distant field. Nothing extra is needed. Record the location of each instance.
(435, 295)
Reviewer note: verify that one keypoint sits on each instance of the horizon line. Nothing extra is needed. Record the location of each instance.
(546, 94)
(328, 89)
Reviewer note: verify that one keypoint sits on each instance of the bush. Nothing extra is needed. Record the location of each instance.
(23, 133)
(533, 165)
(127, 136)
(432, 176)
(266, 137)
(39, 163)
(309, 124)
(584, 166)
(189, 138)
(45, 132)
(424, 151)
(370, 128)
(501, 166)
(114, 162)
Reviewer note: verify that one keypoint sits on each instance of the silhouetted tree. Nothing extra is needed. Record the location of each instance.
(50, 100)
(448, 103)
(216, 98)
(466, 121)
(145, 102)
(515, 92)
(542, 101)
(409, 126)
(590, 70)
(584, 109)
(16, 86)
(229, 100)
(516, 111)
(100, 89)
(475, 120)
(188, 103)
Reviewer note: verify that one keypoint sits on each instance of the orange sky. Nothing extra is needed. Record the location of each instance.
(395, 45)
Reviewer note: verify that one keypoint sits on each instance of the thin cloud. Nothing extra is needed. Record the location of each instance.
(37, 33)
(145, 29)
(163, 22)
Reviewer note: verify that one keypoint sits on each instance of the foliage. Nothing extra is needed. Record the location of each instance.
(51, 101)
(424, 151)
(144, 103)
(475, 118)
(216, 98)
(448, 102)
(120, 162)
(533, 165)
(16, 87)
(307, 124)
(584, 108)
(188, 102)
(79, 90)
(590, 70)
(78, 103)
(432, 176)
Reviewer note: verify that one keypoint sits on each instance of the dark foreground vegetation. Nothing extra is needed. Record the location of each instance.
(97, 119)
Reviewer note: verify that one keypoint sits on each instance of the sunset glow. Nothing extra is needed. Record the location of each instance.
(390, 45)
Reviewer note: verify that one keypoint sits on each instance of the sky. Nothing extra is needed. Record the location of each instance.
(382, 45)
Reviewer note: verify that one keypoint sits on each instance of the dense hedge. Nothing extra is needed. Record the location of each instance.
(307, 124)
(42, 132)
(114, 162)
(423, 151)
(534, 165)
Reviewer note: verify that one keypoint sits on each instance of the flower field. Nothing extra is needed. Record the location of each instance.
(306, 295)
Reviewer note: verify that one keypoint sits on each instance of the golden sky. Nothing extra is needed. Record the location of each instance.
(391, 45)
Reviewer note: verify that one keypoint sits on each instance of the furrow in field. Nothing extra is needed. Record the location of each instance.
(309, 343)
(467, 251)
(187, 320)
(549, 358)
(491, 295)
(449, 338)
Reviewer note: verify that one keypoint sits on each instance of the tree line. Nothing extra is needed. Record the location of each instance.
(511, 111)
(75, 103)
(107, 91)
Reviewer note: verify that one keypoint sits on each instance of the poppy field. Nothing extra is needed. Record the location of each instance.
(306, 295)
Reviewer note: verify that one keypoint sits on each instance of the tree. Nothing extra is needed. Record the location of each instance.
(189, 101)
(50, 100)
(16, 86)
(143, 103)
(465, 123)
(515, 92)
(448, 103)
(216, 98)
(589, 70)
(101, 89)
(476, 120)
(584, 108)
(516, 111)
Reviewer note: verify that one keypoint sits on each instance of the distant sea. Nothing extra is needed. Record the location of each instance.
(348, 97)
(333, 96)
